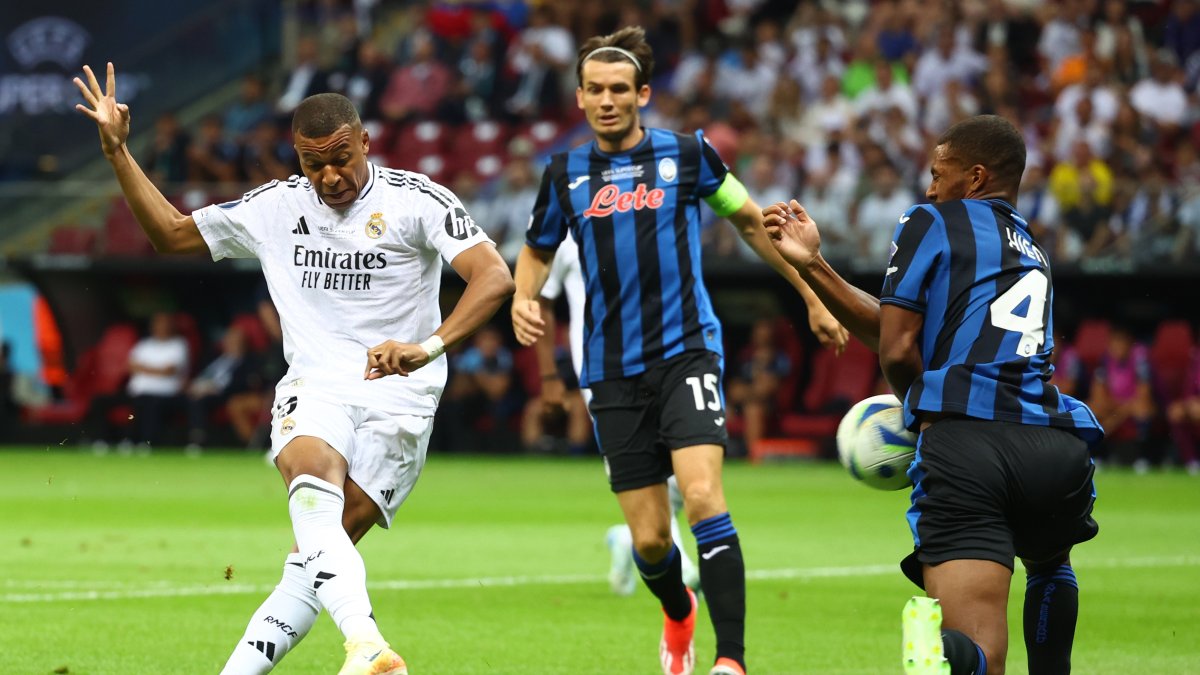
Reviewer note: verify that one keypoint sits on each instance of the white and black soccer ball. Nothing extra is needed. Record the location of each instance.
(873, 444)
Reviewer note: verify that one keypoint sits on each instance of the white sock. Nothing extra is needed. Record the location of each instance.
(335, 568)
(280, 623)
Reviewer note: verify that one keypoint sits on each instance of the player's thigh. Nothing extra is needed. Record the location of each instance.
(625, 415)
(387, 457)
(959, 498)
(311, 435)
(974, 599)
(692, 404)
(698, 472)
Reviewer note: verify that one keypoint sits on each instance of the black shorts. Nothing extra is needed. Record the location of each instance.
(674, 404)
(996, 491)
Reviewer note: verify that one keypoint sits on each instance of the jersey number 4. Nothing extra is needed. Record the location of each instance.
(1028, 297)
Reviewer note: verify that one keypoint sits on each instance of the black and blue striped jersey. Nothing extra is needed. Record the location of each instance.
(984, 286)
(636, 218)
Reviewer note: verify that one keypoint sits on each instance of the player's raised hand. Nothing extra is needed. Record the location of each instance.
(394, 358)
(111, 118)
(793, 232)
(527, 321)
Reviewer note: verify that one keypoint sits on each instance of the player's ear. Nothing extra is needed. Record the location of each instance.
(643, 96)
(366, 142)
(978, 177)
(579, 97)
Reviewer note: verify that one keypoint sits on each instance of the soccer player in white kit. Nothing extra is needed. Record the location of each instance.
(352, 254)
(567, 277)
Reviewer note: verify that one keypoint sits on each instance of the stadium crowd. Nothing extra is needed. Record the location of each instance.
(836, 103)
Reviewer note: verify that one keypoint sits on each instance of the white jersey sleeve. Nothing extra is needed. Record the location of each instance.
(236, 229)
(445, 225)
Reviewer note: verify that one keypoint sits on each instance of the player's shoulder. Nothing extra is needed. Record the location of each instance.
(273, 191)
(413, 188)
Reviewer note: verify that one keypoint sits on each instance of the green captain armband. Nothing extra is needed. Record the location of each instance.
(729, 197)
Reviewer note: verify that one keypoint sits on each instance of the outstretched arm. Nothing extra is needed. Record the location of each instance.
(795, 237)
(169, 230)
(749, 223)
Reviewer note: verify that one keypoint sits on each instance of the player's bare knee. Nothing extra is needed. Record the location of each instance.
(652, 546)
(703, 499)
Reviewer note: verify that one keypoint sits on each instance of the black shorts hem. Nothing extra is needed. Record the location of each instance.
(636, 483)
(913, 564)
(707, 439)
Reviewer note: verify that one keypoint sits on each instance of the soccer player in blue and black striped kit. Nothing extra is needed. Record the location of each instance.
(964, 332)
(652, 345)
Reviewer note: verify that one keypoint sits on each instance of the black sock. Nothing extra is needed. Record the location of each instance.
(1051, 609)
(965, 657)
(723, 578)
(665, 580)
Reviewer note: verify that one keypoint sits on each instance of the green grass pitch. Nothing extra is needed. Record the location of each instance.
(496, 565)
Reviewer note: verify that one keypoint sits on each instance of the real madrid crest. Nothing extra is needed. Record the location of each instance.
(375, 226)
(286, 426)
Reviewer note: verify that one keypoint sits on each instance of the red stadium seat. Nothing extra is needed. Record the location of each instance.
(1091, 341)
(836, 383)
(122, 234)
(418, 140)
(1171, 355)
(257, 339)
(72, 240)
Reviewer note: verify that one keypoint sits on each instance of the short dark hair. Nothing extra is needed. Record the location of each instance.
(630, 38)
(322, 114)
(989, 140)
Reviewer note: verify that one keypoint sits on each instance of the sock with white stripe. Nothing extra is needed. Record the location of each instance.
(335, 568)
(1051, 611)
(723, 578)
(280, 623)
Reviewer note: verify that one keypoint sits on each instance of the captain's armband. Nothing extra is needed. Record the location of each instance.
(729, 197)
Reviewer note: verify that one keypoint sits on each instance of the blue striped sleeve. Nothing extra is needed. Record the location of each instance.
(712, 169)
(548, 223)
(915, 254)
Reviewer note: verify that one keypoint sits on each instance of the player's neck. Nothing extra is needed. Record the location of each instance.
(627, 142)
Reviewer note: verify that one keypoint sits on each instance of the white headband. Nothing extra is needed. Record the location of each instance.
(623, 52)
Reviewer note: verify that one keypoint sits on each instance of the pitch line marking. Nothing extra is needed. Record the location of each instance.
(166, 589)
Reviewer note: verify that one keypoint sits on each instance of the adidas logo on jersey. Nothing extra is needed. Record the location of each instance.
(322, 577)
(301, 227)
(267, 648)
(387, 495)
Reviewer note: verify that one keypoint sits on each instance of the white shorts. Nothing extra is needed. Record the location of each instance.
(385, 452)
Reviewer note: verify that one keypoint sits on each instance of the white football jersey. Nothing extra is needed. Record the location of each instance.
(566, 274)
(345, 281)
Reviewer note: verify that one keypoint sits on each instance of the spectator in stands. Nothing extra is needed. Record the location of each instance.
(233, 371)
(1083, 187)
(539, 56)
(946, 61)
(212, 157)
(827, 196)
(167, 160)
(1181, 33)
(1070, 375)
(480, 393)
(305, 78)
(1160, 98)
(1146, 229)
(512, 206)
(1183, 414)
(813, 67)
(1041, 211)
(158, 369)
(545, 426)
(365, 84)
(249, 110)
(479, 80)
(266, 155)
(760, 368)
(883, 92)
(819, 119)
(1121, 395)
(416, 89)
(878, 213)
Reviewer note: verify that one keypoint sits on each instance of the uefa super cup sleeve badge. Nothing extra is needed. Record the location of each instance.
(375, 226)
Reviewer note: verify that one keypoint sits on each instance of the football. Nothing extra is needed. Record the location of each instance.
(874, 445)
